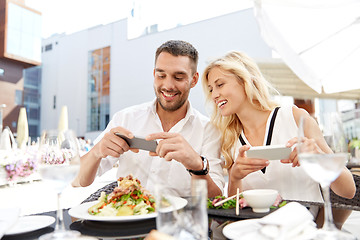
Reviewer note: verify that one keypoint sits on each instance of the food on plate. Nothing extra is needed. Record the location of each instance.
(129, 198)
(231, 203)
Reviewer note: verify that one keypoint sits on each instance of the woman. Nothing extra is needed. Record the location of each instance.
(247, 116)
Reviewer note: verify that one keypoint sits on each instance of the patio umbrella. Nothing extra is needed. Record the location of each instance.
(63, 120)
(318, 39)
(22, 129)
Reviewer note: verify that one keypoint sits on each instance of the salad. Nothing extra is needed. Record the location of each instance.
(129, 198)
(231, 203)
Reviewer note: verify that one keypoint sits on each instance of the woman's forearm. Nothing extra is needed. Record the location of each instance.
(344, 185)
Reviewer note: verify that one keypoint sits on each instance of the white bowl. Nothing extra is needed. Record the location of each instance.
(260, 200)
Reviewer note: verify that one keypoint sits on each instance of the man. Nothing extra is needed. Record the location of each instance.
(188, 145)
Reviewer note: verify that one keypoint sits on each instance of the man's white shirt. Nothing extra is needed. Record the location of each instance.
(143, 120)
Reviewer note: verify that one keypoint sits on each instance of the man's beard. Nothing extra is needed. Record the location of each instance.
(173, 106)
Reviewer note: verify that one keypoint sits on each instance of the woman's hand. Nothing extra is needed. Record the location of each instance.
(244, 165)
(293, 158)
(309, 144)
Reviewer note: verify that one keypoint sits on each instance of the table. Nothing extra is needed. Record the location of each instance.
(75, 196)
(138, 230)
(130, 230)
(36, 234)
(101, 230)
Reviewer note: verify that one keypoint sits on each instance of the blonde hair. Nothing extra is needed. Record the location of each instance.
(257, 90)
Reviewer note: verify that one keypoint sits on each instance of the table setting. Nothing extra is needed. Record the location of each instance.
(254, 203)
(107, 214)
(292, 221)
(141, 227)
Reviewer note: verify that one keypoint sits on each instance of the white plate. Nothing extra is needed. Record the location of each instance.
(81, 212)
(236, 229)
(30, 223)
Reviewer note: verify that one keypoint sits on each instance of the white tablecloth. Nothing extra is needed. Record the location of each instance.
(38, 196)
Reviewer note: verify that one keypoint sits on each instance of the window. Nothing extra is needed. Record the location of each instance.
(33, 130)
(33, 113)
(2, 72)
(48, 47)
(18, 97)
(23, 36)
(54, 103)
(98, 89)
(31, 96)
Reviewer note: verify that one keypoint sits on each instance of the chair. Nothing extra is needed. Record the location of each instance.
(353, 204)
(107, 189)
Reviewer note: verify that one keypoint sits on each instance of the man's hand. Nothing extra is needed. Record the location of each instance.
(174, 146)
(112, 145)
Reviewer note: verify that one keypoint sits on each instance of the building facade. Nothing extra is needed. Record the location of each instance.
(99, 71)
(71, 77)
(20, 48)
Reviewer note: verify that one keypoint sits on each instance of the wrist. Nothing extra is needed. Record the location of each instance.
(95, 154)
(235, 179)
(236, 176)
(204, 170)
(198, 165)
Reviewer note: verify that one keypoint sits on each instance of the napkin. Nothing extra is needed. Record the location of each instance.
(8, 218)
(292, 221)
(287, 222)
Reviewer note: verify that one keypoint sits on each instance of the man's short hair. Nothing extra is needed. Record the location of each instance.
(179, 48)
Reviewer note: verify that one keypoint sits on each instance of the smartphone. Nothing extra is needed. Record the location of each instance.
(271, 152)
(139, 142)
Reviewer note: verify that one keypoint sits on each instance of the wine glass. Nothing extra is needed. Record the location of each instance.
(325, 168)
(59, 163)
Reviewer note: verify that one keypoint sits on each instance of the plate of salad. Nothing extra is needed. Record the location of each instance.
(128, 202)
(227, 209)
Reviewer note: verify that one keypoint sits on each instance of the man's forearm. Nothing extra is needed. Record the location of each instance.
(88, 168)
(213, 189)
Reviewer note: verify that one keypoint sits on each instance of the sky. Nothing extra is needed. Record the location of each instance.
(69, 16)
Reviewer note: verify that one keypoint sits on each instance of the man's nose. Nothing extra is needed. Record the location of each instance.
(169, 83)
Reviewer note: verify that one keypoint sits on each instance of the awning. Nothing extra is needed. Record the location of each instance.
(288, 84)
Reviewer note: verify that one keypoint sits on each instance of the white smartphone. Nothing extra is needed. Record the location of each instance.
(139, 142)
(271, 152)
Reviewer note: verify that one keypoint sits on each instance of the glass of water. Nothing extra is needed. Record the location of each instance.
(324, 168)
(189, 222)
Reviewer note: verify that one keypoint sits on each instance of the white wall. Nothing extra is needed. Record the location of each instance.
(132, 62)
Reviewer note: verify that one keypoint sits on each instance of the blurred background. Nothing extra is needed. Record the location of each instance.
(96, 57)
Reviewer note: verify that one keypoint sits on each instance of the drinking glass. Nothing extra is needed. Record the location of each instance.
(189, 222)
(325, 168)
(59, 163)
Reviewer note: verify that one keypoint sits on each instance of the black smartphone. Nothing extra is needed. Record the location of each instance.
(139, 142)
